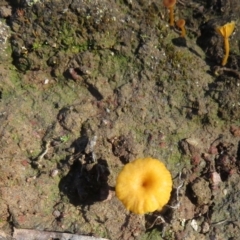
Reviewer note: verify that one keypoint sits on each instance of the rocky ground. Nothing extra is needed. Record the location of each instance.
(87, 86)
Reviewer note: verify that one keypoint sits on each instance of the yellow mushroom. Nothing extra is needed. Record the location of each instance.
(225, 31)
(144, 185)
(181, 24)
(170, 5)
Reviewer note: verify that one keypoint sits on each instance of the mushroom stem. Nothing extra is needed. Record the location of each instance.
(183, 32)
(225, 31)
(226, 47)
(171, 16)
(170, 5)
(181, 24)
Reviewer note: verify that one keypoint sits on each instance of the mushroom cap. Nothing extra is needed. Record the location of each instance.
(180, 23)
(144, 185)
(226, 30)
(169, 3)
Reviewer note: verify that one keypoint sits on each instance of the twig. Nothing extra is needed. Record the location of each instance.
(177, 193)
(220, 222)
(219, 70)
(159, 216)
(44, 152)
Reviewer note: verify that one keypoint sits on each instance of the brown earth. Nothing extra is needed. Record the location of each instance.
(87, 86)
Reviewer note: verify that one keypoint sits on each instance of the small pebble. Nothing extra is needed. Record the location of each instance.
(194, 224)
(56, 213)
(54, 173)
(46, 81)
(205, 227)
(225, 191)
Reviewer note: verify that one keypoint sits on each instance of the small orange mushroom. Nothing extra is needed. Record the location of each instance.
(170, 5)
(181, 24)
(225, 31)
(144, 185)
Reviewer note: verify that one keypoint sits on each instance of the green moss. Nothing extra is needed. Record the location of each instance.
(100, 231)
(154, 234)
(11, 84)
(112, 64)
(36, 45)
(69, 41)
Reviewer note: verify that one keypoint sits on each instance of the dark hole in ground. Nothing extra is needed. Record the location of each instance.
(86, 183)
(121, 147)
(179, 42)
(238, 154)
(225, 161)
(80, 144)
(158, 219)
(95, 93)
(190, 194)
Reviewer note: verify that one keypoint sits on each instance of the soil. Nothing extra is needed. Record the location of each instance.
(88, 86)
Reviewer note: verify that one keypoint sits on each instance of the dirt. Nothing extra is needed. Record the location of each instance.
(88, 86)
